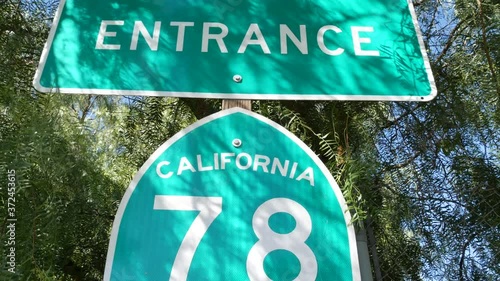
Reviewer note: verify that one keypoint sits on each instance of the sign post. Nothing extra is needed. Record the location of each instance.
(244, 49)
(245, 104)
(219, 202)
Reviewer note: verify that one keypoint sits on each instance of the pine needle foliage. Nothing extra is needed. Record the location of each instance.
(422, 179)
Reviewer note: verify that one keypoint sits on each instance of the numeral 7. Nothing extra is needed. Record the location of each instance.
(209, 207)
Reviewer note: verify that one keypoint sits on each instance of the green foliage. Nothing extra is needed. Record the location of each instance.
(149, 123)
(65, 203)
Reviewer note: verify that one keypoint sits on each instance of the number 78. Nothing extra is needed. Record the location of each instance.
(210, 207)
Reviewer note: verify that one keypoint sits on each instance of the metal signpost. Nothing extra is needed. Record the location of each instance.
(218, 202)
(238, 49)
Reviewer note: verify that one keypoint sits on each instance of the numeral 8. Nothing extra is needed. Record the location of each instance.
(293, 242)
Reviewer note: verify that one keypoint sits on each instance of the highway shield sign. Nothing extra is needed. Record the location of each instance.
(221, 202)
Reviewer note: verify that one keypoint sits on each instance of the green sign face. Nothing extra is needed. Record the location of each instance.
(220, 202)
(245, 49)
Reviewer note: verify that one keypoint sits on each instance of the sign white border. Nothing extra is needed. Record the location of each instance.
(250, 96)
(356, 275)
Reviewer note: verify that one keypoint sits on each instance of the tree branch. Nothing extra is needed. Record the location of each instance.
(87, 108)
(450, 41)
(487, 49)
(402, 164)
(462, 259)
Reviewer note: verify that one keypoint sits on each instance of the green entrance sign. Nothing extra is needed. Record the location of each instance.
(220, 202)
(245, 49)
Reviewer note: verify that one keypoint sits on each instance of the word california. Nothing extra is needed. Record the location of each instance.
(242, 161)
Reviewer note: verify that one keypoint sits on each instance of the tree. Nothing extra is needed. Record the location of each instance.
(421, 178)
(64, 203)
